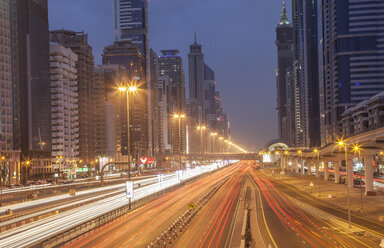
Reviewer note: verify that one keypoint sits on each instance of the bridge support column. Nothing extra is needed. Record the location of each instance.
(317, 171)
(297, 166)
(302, 167)
(326, 171)
(337, 171)
(309, 167)
(368, 168)
(350, 173)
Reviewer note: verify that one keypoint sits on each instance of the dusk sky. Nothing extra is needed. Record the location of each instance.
(238, 39)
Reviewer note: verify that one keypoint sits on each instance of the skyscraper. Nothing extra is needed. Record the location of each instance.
(126, 54)
(305, 72)
(65, 114)
(196, 81)
(284, 42)
(31, 82)
(353, 37)
(109, 103)
(131, 24)
(7, 154)
(78, 43)
(209, 94)
(170, 64)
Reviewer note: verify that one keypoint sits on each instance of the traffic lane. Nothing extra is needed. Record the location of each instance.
(359, 221)
(211, 225)
(309, 230)
(141, 226)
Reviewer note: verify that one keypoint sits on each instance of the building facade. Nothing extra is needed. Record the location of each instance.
(31, 85)
(353, 37)
(170, 64)
(126, 54)
(9, 158)
(305, 72)
(284, 42)
(78, 43)
(64, 110)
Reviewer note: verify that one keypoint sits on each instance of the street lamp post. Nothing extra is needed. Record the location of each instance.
(179, 117)
(221, 149)
(128, 90)
(302, 163)
(357, 149)
(341, 143)
(201, 128)
(213, 135)
(317, 153)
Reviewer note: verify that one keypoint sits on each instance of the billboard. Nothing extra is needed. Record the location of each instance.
(147, 160)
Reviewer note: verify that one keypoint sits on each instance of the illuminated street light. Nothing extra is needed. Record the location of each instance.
(201, 128)
(179, 117)
(342, 144)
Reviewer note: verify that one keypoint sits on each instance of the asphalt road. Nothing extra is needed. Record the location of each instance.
(143, 225)
(278, 220)
(285, 224)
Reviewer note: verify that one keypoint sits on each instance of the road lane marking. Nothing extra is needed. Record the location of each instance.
(262, 211)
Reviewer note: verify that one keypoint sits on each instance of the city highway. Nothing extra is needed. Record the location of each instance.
(140, 227)
(33, 233)
(284, 224)
(278, 221)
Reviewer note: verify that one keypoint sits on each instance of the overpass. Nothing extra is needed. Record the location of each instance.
(212, 157)
(363, 150)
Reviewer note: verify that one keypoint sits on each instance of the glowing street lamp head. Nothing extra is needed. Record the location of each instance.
(132, 88)
(176, 116)
(356, 148)
(315, 150)
(286, 152)
(182, 116)
(221, 138)
(299, 152)
(122, 89)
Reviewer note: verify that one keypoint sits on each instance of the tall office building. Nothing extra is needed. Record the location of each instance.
(31, 83)
(284, 42)
(126, 54)
(78, 43)
(154, 119)
(353, 37)
(170, 64)
(109, 103)
(131, 24)
(8, 155)
(209, 94)
(305, 72)
(164, 113)
(64, 109)
(196, 81)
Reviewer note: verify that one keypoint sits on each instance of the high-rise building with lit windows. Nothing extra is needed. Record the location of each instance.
(170, 64)
(284, 43)
(353, 55)
(64, 109)
(31, 84)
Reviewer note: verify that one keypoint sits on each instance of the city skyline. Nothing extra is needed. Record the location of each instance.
(254, 67)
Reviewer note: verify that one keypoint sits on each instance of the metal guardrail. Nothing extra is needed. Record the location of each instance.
(72, 233)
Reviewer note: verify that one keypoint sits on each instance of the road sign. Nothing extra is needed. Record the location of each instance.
(191, 205)
(129, 187)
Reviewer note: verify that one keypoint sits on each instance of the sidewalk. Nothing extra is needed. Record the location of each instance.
(336, 194)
